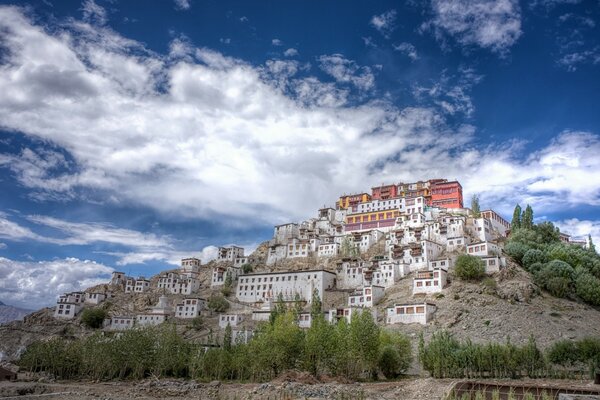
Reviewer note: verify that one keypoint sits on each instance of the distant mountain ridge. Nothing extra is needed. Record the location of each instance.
(10, 313)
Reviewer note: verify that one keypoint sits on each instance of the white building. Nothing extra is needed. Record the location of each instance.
(185, 283)
(219, 274)
(190, 307)
(94, 298)
(457, 243)
(368, 239)
(499, 225)
(483, 249)
(191, 264)
(304, 320)
(118, 278)
(366, 297)
(443, 263)
(139, 285)
(239, 261)
(230, 253)
(253, 288)
(230, 319)
(350, 273)
(387, 272)
(410, 313)
(69, 305)
(328, 250)
(157, 315)
(298, 248)
(335, 314)
(426, 282)
(241, 336)
(119, 323)
(493, 264)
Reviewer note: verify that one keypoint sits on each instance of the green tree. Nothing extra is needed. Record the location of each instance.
(319, 345)
(395, 353)
(516, 219)
(533, 256)
(227, 284)
(93, 317)
(198, 323)
(316, 307)
(469, 267)
(227, 338)
(475, 206)
(527, 218)
(364, 343)
(591, 246)
(246, 268)
(218, 303)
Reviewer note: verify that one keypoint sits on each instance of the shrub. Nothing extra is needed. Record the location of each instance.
(490, 283)
(218, 303)
(533, 256)
(516, 250)
(587, 287)
(556, 277)
(389, 362)
(469, 267)
(93, 317)
(198, 323)
(246, 268)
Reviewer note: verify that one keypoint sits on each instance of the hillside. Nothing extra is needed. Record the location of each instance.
(10, 313)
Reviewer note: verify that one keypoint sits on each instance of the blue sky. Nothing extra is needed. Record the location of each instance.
(133, 135)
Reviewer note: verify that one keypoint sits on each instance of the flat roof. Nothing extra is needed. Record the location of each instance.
(288, 272)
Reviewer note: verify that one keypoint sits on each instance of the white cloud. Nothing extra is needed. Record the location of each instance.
(291, 52)
(37, 284)
(243, 19)
(347, 71)
(238, 143)
(407, 49)
(276, 42)
(93, 13)
(183, 4)
(491, 24)
(385, 22)
(3, 246)
(225, 40)
(141, 256)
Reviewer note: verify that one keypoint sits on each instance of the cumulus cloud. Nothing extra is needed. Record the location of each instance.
(580, 229)
(183, 4)
(227, 140)
(385, 22)
(491, 24)
(408, 49)
(276, 42)
(93, 13)
(347, 71)
(37, 284)
(291, 52)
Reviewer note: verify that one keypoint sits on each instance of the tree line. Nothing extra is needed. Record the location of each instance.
(446, 357)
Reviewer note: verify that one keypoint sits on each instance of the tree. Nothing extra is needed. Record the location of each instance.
(227, 338)
(316, 307)
(469, 267)
(527, 218)
(227, 284)
(591, 246)
(475, 206)
(246, 268)
(198, 323)
(218, 303)
(348, 249)
(516, 219)
(93, 317)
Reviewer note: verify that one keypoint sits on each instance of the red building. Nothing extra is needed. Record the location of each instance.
(446, 195)
(384, 192)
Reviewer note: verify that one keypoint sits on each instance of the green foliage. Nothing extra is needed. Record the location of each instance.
(490, 283)
(527, 218)
(584, 352)
(246, 268)
(93, 317)
(227, 338)
(217, 303)
(591, 246)
(395, 355)
(533, 256)
(516, 219)
(587, 287)
(316, 307)
(469, 267)
(516, 250)
(556, 277)
(198, 323)
(475, 206)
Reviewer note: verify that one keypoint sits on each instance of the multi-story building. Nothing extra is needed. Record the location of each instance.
(498, 224)
(336, 314)
(387, 272)
(69, 305)
(446, 195)
(94, 298)
(350, 273)
(139, 285)
(190, 307)
(253, 288)
(353, 200)
(191, 264)
(368, 296)
(229, 319)
(230, 253)
(426, 282)
(328, 250)
(119, 323)
(420, 313)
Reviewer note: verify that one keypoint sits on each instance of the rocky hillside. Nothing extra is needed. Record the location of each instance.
(10, 313)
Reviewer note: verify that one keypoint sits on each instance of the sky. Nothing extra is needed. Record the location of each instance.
(133, 135)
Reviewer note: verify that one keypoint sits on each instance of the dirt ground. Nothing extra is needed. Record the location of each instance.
(421, 389)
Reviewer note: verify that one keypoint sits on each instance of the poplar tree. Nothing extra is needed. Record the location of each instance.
(591, 245)
(516, 219)
(475, 206)
(527, 219)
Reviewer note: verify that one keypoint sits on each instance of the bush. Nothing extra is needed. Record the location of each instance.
(533, 256)
(218, 304)
(490, 283)
(556, 277)
(246, 268)
(389, 362)
(198, 323)
(587, 287)
(516, 250)
(469, 267)
(93, 317)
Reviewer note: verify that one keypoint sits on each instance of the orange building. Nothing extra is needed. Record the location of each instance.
(352, 200)
(446, 195)
(371, 220)
(384, 192)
